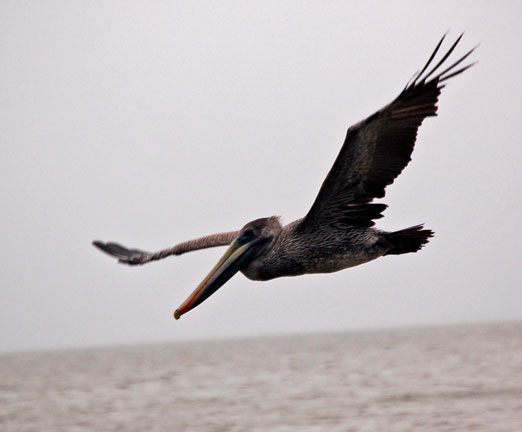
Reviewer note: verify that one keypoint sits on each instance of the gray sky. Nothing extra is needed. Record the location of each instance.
(151, 123)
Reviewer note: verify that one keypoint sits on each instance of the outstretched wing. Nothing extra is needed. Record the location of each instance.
(136, 256)
(377, 149)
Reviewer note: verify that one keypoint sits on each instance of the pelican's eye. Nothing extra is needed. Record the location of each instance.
(247, 236)
(249, 232)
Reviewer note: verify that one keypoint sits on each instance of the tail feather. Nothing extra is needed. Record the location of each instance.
(408, 240)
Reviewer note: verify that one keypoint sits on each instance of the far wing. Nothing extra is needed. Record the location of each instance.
(138, 257)
(377, 149)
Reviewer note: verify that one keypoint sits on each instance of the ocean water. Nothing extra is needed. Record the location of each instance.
(454, 378)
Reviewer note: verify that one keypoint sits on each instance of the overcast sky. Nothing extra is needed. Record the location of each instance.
(151, 123)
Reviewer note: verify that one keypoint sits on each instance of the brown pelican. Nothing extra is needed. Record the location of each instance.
(337, 232)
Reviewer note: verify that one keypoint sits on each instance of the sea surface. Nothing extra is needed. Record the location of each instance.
(453, 378)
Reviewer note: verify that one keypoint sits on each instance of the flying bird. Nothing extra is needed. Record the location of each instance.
(337, 232)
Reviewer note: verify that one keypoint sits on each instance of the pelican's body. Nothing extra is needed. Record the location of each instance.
(322, 251)
(337, 232)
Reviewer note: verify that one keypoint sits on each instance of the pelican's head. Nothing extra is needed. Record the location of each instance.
(253, 240)
(269, 228)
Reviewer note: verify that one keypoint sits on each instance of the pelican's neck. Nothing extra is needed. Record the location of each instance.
(282, 258)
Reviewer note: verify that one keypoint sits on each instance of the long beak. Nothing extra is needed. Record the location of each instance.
(230, 263)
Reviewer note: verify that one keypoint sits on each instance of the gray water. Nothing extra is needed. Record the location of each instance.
(455, 378)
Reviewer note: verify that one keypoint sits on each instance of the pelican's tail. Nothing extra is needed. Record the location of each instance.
(408, 240)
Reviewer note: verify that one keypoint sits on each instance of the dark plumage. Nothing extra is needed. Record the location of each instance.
(337, 232)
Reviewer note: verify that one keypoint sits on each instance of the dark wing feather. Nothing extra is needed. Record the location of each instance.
(377, 149)
(124, 255)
